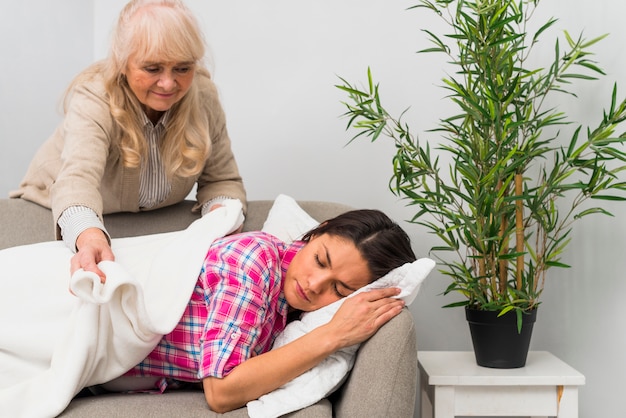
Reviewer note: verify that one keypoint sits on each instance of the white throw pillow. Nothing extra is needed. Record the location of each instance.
(287, 220)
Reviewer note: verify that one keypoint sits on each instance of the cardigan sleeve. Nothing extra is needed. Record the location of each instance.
(86, 144)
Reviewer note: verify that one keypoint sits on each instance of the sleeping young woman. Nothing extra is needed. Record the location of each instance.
(251, 284)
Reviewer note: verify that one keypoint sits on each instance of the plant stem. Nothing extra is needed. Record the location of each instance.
(519, 229)
(504, 263)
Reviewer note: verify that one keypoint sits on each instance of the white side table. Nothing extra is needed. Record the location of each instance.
(452, 384)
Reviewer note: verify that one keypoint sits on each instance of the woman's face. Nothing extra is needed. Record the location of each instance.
(325, 270)
(159, 85)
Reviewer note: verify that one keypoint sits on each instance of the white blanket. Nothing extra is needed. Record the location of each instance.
(323, 379)
(52, 344)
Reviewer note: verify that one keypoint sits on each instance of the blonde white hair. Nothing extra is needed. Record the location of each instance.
(156, 31)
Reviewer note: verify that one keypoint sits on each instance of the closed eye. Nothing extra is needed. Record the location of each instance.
(152, 70)
(319, 262)
(182, 70)
(337, 292)
(335, 285)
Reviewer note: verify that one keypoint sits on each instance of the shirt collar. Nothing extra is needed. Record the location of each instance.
(163, 121)
(291, 249)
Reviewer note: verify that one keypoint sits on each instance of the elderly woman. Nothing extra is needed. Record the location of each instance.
(141, 128)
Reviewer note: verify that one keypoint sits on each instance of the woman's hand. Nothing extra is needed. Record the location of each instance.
(360, 316)
(92, 247)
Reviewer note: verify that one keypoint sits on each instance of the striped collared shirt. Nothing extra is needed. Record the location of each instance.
(154, 186)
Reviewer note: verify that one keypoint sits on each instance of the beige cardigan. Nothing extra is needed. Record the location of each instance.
(81, 165)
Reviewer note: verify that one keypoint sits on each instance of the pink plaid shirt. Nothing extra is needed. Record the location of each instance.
(235, 312)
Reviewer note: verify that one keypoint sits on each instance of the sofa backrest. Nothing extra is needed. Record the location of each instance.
(23, 222)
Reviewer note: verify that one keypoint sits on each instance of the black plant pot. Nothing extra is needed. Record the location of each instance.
(497, 344)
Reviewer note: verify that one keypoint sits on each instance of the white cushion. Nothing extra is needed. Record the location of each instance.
(287, 220)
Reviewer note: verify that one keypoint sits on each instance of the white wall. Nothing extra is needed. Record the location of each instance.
(44, 44)
(275, 63)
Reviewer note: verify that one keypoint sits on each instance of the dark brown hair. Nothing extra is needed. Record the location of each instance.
(382, 242)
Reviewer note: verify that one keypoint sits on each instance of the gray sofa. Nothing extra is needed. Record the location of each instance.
(382, 384)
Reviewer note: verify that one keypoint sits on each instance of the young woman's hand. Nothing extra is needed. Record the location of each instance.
(360, 316)
(92, 247)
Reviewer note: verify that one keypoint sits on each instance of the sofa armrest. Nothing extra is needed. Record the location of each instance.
(383, 382)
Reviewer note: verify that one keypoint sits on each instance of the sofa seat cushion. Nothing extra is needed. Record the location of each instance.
(182, 403)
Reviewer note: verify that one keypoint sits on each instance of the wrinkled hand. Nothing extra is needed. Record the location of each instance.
(360, 316)
(92, 247)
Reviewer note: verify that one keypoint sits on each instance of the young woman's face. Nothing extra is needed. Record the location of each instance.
(159, 85)
(325, 270)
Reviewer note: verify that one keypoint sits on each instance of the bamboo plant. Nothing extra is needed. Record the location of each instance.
(512, 186)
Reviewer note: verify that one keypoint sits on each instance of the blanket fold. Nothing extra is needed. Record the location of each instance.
(53, 344)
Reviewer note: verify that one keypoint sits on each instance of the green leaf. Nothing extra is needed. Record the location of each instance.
(557, 264)
(609, 197)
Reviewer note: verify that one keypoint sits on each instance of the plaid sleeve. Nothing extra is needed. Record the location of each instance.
(241, 276)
